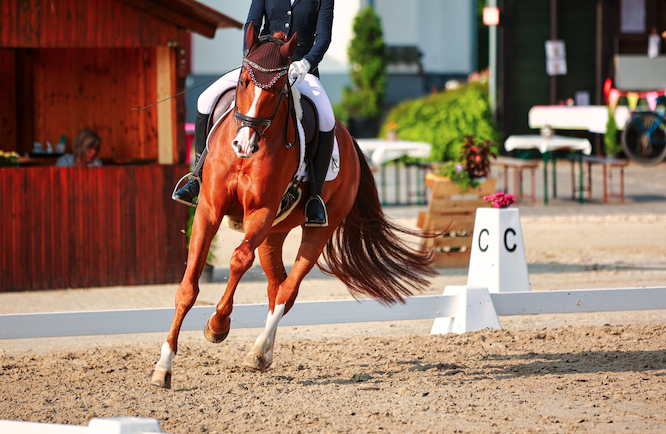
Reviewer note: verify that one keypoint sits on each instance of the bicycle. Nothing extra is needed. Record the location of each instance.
(644, 137)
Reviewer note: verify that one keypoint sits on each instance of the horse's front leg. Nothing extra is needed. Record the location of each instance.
(260, 356)
(270, 255)
(257, 225)
(206, 223)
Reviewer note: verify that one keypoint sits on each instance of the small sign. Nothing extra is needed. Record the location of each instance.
(491, 16)
(556, 63)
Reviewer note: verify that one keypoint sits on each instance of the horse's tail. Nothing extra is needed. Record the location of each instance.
(369, 255)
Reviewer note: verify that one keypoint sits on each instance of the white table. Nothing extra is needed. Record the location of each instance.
(382, 151)
(592, 118)
(546, 146)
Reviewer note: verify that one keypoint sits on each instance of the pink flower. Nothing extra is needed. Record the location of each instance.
(500, 199)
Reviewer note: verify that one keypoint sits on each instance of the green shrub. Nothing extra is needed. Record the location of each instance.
(611, 144)
(367, 58)
(445, 119)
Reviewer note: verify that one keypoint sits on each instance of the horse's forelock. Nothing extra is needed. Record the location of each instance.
(281, 36)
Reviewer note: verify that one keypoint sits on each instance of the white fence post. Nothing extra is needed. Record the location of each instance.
(475, 311)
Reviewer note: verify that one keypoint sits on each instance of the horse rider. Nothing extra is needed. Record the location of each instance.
(313, 21)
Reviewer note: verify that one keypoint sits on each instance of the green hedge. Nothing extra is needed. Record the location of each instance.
(445, 119)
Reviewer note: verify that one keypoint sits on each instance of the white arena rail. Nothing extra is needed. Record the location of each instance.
(59, 324)
(111, 425)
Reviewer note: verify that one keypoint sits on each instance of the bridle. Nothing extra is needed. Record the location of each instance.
(260, 125)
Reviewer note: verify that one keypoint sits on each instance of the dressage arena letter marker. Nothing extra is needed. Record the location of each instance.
(498, 258)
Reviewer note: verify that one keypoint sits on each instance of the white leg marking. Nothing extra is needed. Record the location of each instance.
(263, 346)
(167, 356)
(243, 138)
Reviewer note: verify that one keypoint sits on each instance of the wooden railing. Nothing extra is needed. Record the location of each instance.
(79, 228)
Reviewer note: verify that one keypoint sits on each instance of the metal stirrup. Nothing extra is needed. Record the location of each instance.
(196, 173)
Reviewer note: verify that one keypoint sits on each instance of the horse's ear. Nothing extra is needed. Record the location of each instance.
(288, 49)
(251, 38)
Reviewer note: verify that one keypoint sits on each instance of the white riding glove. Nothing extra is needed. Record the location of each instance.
(299, 69)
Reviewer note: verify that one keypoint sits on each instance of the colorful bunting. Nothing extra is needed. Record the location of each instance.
(613, 95)
(651, 98)
(632, 99)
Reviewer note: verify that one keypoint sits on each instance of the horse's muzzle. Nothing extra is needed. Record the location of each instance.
(245, 146)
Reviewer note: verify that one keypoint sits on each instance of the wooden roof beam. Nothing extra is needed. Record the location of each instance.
(188, 14)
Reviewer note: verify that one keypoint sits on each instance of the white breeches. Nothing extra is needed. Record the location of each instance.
(310, 87)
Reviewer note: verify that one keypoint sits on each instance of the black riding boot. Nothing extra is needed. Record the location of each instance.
(315, 209)
(189, 191)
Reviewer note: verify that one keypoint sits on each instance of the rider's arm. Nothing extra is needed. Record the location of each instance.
(322, 34)
(256, 15)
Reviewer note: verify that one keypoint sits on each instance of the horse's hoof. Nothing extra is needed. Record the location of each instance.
(255, 362)
(214, 337)
(160, 378)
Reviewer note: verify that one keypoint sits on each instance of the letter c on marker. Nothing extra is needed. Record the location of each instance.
(510, 249)
(488, 233)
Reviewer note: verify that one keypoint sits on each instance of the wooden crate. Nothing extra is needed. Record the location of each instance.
(452, 211)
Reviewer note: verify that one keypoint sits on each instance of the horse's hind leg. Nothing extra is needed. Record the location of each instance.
(260, 356)
(206, 224)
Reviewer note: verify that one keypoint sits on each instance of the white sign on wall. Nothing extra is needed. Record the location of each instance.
(556, 60)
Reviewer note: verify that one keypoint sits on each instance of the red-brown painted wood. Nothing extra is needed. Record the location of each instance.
(75, 23)
(79, 228)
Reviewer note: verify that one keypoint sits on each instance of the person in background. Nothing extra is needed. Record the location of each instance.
(313, 21)
(85, 152)
(654, 40)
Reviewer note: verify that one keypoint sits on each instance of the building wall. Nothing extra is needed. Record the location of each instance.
(103, 226)
(60, 91)
(100, 23)
(444, 31)
(529, 83)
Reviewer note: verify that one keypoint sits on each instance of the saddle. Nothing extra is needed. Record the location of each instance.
(310, 120)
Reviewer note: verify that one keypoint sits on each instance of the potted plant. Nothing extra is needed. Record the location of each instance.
(367, 57)
(457, 188)
(500, 200)
(468, 175)
(9, 159)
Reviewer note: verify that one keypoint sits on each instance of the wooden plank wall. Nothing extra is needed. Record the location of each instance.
(8, 140)
(79, 228)
(77, 23)
(71, 89)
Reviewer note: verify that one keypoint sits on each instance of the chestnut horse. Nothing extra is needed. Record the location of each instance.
(249, 167)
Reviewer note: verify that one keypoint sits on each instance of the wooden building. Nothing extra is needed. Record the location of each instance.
(71, 64)
(594, 36)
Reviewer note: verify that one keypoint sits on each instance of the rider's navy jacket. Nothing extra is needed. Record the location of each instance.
(312, 19)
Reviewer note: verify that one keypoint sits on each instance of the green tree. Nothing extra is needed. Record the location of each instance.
(367, 57)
